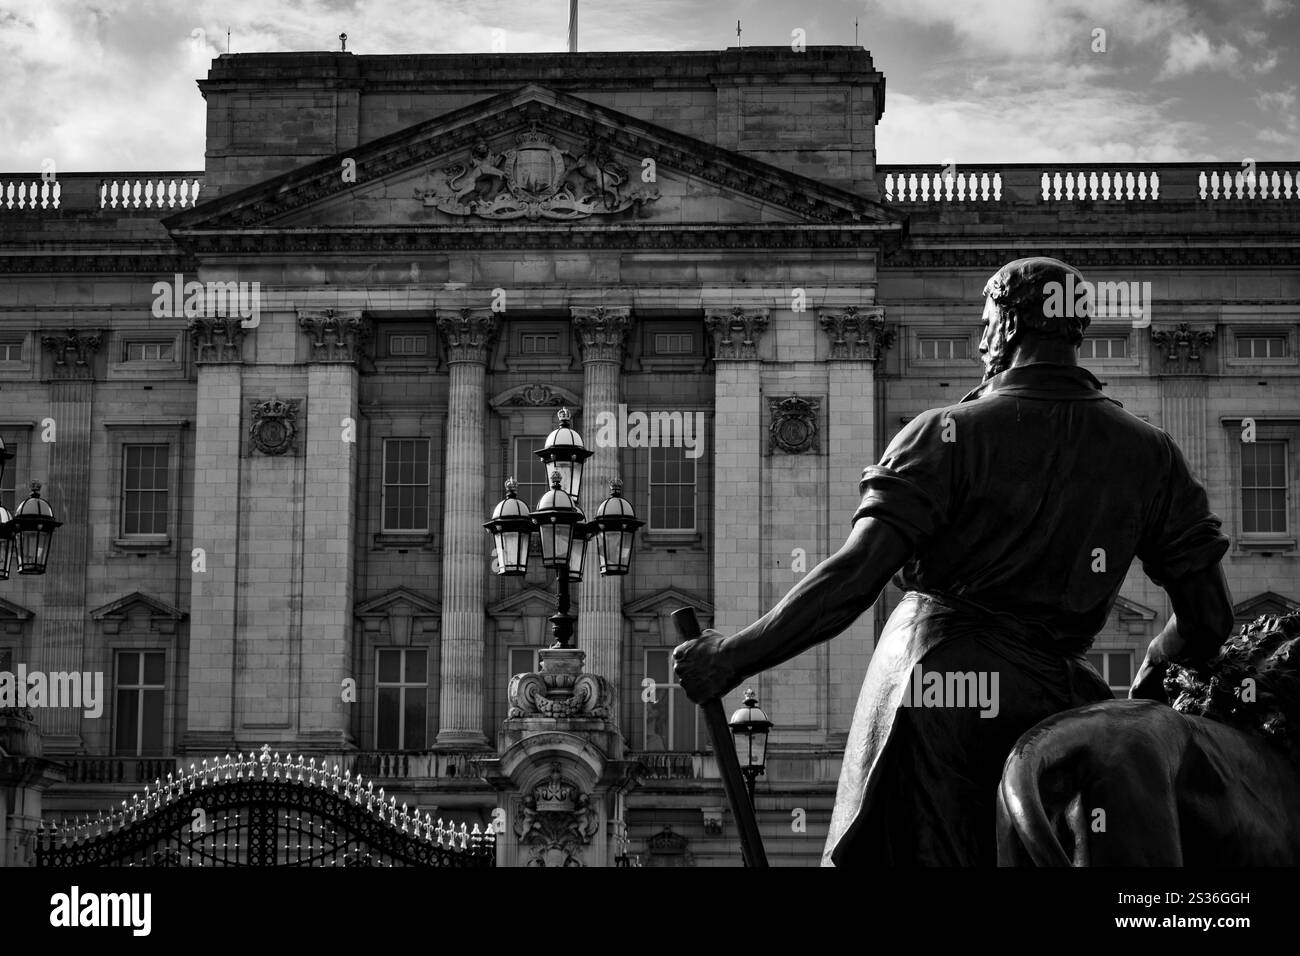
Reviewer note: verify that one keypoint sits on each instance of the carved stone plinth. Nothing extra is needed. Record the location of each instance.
(560, 771)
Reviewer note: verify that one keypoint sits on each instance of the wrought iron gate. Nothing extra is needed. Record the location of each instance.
(258, 810)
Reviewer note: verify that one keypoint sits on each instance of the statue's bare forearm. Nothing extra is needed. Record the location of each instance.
(833, 595)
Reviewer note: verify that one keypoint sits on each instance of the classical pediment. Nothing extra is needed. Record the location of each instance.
(1267, 602)
(13, 617)
(532, 159)
(393, 613)
(138, 611)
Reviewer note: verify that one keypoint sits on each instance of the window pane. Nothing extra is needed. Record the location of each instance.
(656, 723)
(416, 707)
(416, 667)
(387, 718)
(522, 660)
(128, 668)
(683, 721)
(1121, 670)
(153, 668)
(390, 666)
(656, 663)
(128, 721)
(1099, 662)
(151, 729)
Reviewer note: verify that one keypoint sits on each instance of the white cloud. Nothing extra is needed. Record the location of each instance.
(1189, 52)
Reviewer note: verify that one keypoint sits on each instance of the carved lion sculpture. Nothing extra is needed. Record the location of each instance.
(1212, 781)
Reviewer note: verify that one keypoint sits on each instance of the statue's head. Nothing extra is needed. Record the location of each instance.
(1014, 310)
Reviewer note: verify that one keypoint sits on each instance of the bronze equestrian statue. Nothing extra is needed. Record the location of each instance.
(1011, 518)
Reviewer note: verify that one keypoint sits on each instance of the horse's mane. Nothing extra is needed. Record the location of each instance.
(1265, 652)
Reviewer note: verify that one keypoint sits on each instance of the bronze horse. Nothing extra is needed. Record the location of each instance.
(1212, 781)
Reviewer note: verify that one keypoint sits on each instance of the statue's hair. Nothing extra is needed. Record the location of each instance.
(1018, 289)
(1267, 652)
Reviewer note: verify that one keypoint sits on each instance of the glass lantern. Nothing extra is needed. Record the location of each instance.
(750, 727)
(6, 542)
(615, 528)
(33, 523)
(564, 452)
(557, 518)
(512, 529)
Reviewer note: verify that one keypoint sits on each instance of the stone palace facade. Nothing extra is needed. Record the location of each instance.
(273, 483)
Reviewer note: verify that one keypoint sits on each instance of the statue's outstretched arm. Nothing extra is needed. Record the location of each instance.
(832, 596)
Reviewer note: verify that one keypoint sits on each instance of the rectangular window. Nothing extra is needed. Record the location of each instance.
(1261, 346)
(9, 480)
(674, 343)
(161, 351)
(401, 699)
(6, 660)
(139, 687)
(144, 489)
(11, 350)
(670, 721)
(945, 350)
(529, 472)
(672, 490)
(539, 343)
(1263, 487)
(1115, 668)
(1108, 347)
(408, 345)
(406, 484)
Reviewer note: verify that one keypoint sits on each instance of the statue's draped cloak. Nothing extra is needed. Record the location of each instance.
(1025, 504)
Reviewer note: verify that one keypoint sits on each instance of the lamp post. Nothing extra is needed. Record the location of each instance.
(750, 727)
(26, 533)
(562, 527)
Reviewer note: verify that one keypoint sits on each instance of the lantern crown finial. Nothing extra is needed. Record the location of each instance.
(36, 489)
(512, 487)
(564, 417)
(616, 487)
(556, 479)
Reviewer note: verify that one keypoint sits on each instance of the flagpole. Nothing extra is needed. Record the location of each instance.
(573, 26)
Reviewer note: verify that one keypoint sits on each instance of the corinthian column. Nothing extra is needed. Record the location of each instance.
(61, 627)
(601, 333)
(469, 335)
(858, 338)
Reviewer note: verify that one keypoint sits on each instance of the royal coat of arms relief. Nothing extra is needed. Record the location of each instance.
(534, 180)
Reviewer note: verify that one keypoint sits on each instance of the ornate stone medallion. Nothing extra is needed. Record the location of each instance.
(274, 428)
(794, 425)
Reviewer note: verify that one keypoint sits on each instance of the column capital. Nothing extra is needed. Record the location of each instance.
(469, 334)
(83, 343)
(736, 332)
(1182, 347)
(602, 331)
(217, 340)
(857, 334)
(337, 335)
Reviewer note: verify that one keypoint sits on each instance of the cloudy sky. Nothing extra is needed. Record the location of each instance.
(109, 84)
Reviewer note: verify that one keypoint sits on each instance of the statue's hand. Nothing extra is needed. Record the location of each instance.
(701, 667)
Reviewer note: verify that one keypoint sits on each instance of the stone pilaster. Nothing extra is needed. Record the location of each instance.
(601, 333)
(738, 444)
(217, 344)
(1178, 358)
(469, 335)
(337, 339)
(61, 627)
(858, 337)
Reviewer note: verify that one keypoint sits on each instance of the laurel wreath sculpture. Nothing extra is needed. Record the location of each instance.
(1252, 683)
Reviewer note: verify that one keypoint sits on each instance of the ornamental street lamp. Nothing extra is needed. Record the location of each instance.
(562, 527)
(26, 532)
(750, 727)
